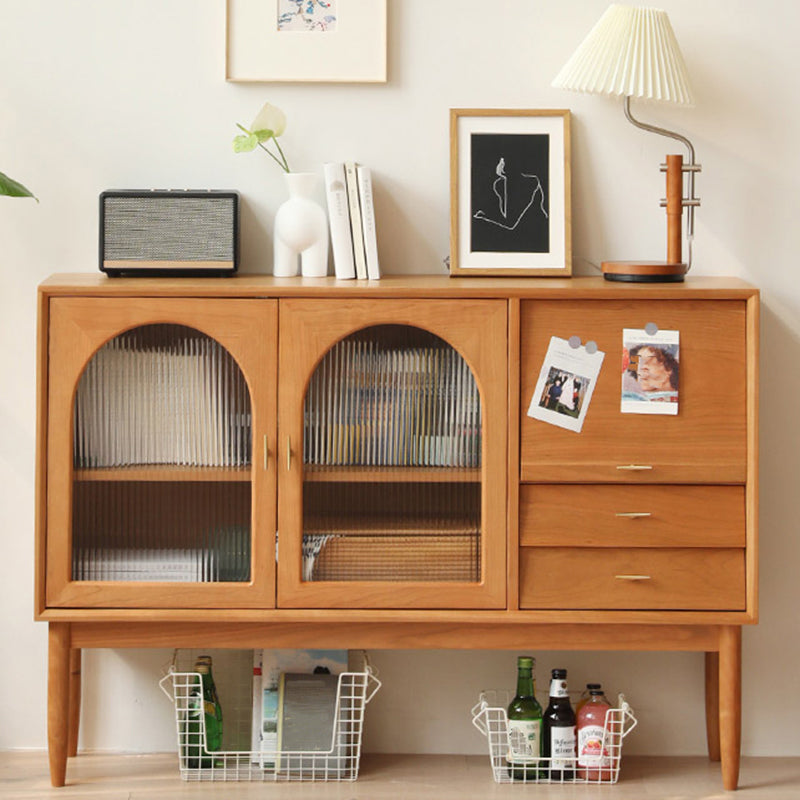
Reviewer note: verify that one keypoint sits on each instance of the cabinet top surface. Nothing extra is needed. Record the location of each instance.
(412, 286)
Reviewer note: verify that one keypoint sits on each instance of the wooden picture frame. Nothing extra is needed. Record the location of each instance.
(346, 45)
(510, 192)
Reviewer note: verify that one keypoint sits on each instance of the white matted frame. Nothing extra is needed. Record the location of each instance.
(353, 52)
(510, 192)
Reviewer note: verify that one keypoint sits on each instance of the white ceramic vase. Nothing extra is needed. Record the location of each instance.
(301, 230)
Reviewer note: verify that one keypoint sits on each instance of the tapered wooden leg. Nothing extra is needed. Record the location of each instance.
(730, 703)
(712, 705)
(58, 700)
(74, 700)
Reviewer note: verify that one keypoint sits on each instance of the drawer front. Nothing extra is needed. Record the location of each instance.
(704, 443)
(678, 579)
(599, 515)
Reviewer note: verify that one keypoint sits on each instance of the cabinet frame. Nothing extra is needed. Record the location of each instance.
(717, 634)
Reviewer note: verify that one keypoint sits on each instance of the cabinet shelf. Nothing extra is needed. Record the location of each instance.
(359, 474)
(165, 474)
(410, 526)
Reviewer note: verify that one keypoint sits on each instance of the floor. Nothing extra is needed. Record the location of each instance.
(155, 777)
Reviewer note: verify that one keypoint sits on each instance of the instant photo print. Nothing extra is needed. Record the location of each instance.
(650, 371)
(566, 383)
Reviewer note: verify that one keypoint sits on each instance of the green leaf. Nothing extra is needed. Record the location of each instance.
(12, 188)
(264, 135)
(244, 144)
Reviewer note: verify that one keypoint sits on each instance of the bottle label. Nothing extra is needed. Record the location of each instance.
(524, 737)
(562, 748)
(591, 752)
(558, 688)
(195, 704)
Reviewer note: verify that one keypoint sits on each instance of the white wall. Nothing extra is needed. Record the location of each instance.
(101, 94)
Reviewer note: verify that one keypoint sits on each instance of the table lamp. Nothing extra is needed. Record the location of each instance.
(632, 52)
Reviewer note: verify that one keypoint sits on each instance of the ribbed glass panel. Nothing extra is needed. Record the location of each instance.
(162, 394)
(393, 396)
(162, 449)
(392, 452)
(161, 531)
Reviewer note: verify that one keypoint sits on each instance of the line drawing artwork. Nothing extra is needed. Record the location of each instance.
(500, 190)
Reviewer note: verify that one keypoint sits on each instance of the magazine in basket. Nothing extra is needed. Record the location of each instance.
(268, 667)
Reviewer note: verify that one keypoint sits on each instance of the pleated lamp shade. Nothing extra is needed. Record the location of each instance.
(629, 52)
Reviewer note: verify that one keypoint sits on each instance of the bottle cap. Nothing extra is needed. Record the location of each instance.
(201, 667)
(591, 686)
(526, 662)
(559, 674)
(596, 692)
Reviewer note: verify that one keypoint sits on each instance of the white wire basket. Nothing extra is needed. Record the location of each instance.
(339, 762)
(512, 766)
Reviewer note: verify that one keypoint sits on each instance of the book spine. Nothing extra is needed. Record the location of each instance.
(355, 219)
(339, 215)
(255, 746)
(368, 222)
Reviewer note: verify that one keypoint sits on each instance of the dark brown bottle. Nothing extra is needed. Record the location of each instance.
(558, 732)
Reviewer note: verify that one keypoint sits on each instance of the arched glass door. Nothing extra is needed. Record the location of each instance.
(393, 444)
(160, 489)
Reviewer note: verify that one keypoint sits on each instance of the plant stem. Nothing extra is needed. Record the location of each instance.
(281, 162)
(273, 156)
(285, 162)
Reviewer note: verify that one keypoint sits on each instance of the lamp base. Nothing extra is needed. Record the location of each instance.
(643, 271)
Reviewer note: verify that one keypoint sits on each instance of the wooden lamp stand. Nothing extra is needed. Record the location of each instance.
(673, 269)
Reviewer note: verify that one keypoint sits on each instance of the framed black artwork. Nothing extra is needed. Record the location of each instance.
(510, 192)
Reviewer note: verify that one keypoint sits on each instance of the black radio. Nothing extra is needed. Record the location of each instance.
(169, 232)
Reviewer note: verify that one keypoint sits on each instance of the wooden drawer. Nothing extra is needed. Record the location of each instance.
(679, 579)
(599, 515)
(704, 443)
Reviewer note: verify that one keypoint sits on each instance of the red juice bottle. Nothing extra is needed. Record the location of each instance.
(594, 755)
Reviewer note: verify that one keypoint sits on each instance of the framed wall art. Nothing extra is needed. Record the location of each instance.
(510, 192)
(306, 40)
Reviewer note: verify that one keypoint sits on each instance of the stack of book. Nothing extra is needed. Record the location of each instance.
(372, 405)
(162, 394)
(348, 187)
(221, 555)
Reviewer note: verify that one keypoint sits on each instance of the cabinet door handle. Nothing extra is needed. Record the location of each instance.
(633, 514)
(266, 453)
(288, 453)
(632, 577)
(634, 467)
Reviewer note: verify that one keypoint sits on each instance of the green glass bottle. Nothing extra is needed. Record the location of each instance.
(524, 724)
(203, 701)
(214, 698)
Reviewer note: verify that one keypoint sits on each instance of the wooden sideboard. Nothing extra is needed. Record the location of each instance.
(382, 428)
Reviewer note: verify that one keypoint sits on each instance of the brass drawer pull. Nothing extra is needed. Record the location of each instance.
(633, 514)
(632, 577)
(634, 467)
